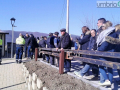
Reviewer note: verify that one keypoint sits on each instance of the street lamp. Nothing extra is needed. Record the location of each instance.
(12, 23)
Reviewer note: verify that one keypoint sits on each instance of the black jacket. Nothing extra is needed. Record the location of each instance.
(42, 43)
(26, 40)
(92, 44)
(50, 42)
(84, 41)
(32, 41)
(65, 42)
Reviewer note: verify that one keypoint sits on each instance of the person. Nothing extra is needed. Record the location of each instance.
(91, 46)
(31, 46)
(99, 24)
(0, 51)
(42, 44)
(56, 41)
(19, 48)
(105, 46)
(38, 40)
(65, 43)
(26, 44)
(115, 41)
(50, 44)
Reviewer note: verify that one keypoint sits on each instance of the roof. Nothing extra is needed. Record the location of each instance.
(2, 32)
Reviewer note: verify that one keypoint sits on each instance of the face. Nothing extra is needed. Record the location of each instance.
(103, 27)
(26, 35)
(92, 33)
(83, 31)
(45, 38)
(62, 33)
(99, 24)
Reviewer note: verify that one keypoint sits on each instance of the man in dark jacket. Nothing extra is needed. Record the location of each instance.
(31, 46)
(26, 44)
(42, 44)
(65, 43)
(50, 44)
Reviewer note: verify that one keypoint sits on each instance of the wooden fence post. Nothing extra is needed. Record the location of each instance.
(61, 62)
(36, 54)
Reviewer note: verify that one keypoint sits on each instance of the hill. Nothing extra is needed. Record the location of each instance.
(36, 34)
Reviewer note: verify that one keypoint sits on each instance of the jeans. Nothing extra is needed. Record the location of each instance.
(118, 60)
(67, 64)
(103, 71)
(47, 58)
(51, 60)
(25, 50)
(30, 51)
(84, 70)
(19, 52)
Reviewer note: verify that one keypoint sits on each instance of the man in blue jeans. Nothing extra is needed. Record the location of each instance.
(26, 44)
(19, 48)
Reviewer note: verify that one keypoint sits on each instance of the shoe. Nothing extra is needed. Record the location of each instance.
(77, 73)
(106, 83)
(20, 62)
(67, 71)
(16, 61)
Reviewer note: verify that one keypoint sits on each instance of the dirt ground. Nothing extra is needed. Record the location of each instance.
(53, 80)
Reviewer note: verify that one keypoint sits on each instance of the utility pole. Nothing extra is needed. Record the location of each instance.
(67, 21)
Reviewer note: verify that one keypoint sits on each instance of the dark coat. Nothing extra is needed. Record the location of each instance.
(50, 42)
(26, 40)
(92, 43)
(84, 41)
(65, 42)
(42, 43)
(105, 46)
(31, 41)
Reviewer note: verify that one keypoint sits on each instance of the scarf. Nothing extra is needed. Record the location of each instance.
(103, 34)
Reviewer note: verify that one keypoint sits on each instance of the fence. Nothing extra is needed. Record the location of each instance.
(76, 55)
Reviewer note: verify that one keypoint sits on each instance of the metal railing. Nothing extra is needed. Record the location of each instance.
(76, 55)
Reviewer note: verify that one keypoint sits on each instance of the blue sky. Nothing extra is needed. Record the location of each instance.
(44, 15)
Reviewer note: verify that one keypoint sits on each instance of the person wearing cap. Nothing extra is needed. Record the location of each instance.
(65, 43)
(19, 48)
(56, 41)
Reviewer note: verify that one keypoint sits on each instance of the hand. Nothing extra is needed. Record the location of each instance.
(57, 49)
(61, 48)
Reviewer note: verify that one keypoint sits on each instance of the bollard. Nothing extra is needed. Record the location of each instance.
(61, 62)
(36, 54)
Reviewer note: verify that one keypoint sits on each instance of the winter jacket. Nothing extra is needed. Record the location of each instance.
(84, 41)
(92, 43)
(42, 43)
(65, 42)
(26, 40)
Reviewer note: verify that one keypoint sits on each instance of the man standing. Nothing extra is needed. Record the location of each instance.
(19, 48)
(56, 41)
(99, 24)
(26, 44)
(0, 51)
(42, 44)
(65, 43)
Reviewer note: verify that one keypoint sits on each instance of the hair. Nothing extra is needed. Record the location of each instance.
(107, 24)
(94, 30)
(85, 28)
(117, 27)
(102, 20)
(26, 33)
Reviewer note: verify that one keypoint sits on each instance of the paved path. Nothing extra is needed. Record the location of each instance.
(11, 77)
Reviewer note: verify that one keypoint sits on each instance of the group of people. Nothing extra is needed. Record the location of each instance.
(106, 38)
